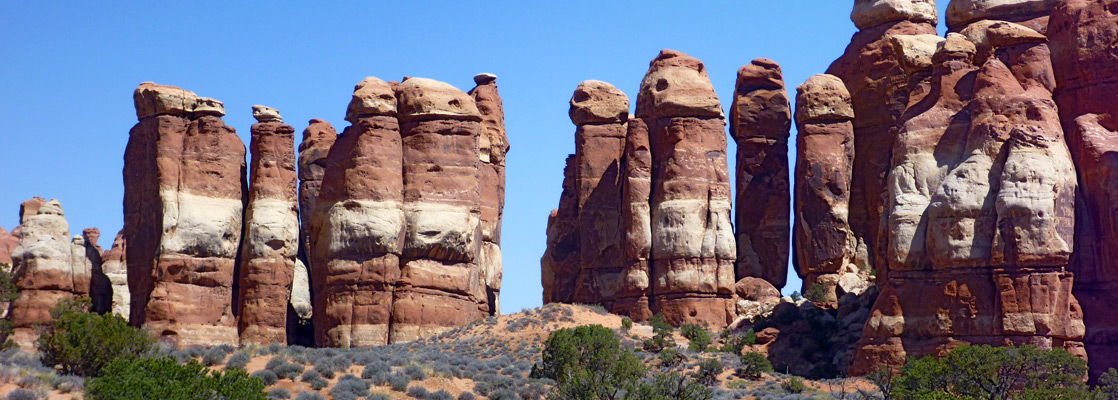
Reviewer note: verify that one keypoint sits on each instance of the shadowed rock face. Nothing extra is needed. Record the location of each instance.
(876, 79)
(759, 122)
(116, 269)
(1032, 14)
(49, 267)
(980, 209)
(643, 224)
(184, 196)
(824, 160)
(271, 232)
(397, 234)
(1083, 35)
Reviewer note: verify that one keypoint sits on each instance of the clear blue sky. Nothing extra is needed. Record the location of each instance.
(69, 69)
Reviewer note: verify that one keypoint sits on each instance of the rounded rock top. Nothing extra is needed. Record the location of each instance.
(916, 50)
(823, 97)
(871, 13)
(153, 99)
(762, 73)
(371, 96)
(484, 78)
(422, 98)
(266, 114)
(598, 102)
(677, 85)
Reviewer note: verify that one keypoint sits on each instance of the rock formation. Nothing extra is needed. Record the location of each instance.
(184, 196)
(759, 121)
(877, 81)
(49, 267)
(1030, 13)
(493, 144)
(982, 201)
(8, 243)
(1083, 34)
(116, 269)
(824, 161)
(271, 235)
(100, 288)
(357, 229)
(561, 263)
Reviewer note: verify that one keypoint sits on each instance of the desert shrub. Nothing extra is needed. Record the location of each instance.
(350, 384)
(796, 296)
(440, 395)
(268, 377)
(415, 373)
(399, 382)
(587, 362)
(22, 394)
(8, 293)
(29, 382)
(318, 383)
(626, 323)
(708, 371)
(661, 334)
(793, 385)
(733, 344)
(238, 360)
(504, 394)
(417, 392)
(275, 362)
(79, 342)
(1108, 384)
(668, 387)
(279, 394)
(69, 383)
(752, 365)
(213, 356)
(817, 294)
(373, 368)
(698, 337)
(166, 379)
(983, 371)
(379, 396)
(466, 396)
(309, 396)
(310, 375)
(289, 370)
(670, 358)
(326, 369)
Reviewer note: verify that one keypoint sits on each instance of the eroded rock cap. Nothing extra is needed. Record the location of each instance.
(598, 102)
(677, 85)
(266, 114)
(823, 97)
(371, 96)
(153, 99)
(871, 13)
(422, 98)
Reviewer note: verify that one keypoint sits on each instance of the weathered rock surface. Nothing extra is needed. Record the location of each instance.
(561, 263)
(116, 269)
(271, 236)
(1030, 13)
(825, 244)
(184, 196)
(1083, 35)
(318, 138)
(100, 288)
(760, 120)
(981, 211)
(874, 75)
(49, 267)
(493, 144)
(8, 243)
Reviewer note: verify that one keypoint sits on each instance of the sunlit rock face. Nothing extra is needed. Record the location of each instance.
(48, 267)
(271, 235)
(185, 190)
(493, 145)
(1083, 35)
(980, 207)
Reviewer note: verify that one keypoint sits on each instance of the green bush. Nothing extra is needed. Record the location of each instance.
(817, 294)
(8, 293)
(752, 365)
(662, 335)
(166, 379)
(697, 337)
(795, 385)
(82, 343)
(668, 387)
(588, 363)
(708, 371)
(670, 357)
(796, 295)
(626, 323)
(734, 344)
(985, 372)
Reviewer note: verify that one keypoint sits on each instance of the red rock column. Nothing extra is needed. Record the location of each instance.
(876, 80)
(100, 288)
(49, 267)
(693, 247)
(561, 263)
(271, 231)
(441, 284)
(358, 224)
(184, 196)
(1083, 34)
(825, 154)
(760, 120)
(634, 299)
(992, 265)
(116, 269)
(493, 144)
(599, 112)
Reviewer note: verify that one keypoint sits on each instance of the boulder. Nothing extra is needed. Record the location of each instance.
(1031, 13)
(271, 235)
(871, 13)
(760, 120)
(184, 196)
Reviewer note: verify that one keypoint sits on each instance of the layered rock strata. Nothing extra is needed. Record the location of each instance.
(116, 269)
(760, 120)
(49, 267)
(876, 80)
(825, 154)
(1083, 35)
(982, 210)
(184, 196)
(271, 235)
(493, 144)
(1032, 14)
